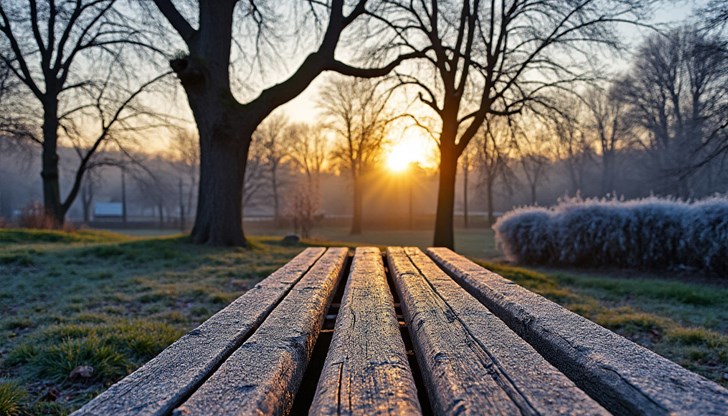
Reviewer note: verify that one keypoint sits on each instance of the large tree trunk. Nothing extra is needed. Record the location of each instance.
(357, 208)
(51, 188)
(225, 128)
(225, 125)
(223, 156)
(225, 137)
(444, 233)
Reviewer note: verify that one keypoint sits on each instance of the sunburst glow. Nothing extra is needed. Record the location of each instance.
(410, 149)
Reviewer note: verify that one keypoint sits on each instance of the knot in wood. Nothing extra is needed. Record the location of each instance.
(187, 72)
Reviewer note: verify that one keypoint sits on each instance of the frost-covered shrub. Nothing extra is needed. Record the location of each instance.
(594, 232)
(658, 232)
(706, 235)
(650, 233)
(529, 237)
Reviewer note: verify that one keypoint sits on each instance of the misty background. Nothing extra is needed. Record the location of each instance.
(654, 125)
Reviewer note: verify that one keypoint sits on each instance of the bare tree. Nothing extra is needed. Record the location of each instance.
(156, 184)
(226, 125)
(675, 95)
(308, 147)
(535, 145)
(185, 156)
(91, 182)
(534, 169)
(497, 57)
(494, 143)
(112, 117)
(607, 122)
(357, 113)
(271, 134)
(466, 164)
(16, 127)
(572, 144)
(713, 16)
(44, 45)
(303, 210)
(256, 178)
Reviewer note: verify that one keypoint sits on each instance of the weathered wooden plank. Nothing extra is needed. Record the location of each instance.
(366, 370)
(623, 376)
(262, 376)
(164, 382)
(472, 362)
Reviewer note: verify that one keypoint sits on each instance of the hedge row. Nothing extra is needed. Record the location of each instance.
(650, 233)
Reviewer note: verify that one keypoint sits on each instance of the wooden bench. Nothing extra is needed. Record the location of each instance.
(409, 333)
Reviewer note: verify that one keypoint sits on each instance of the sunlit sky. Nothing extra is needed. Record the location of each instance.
(404, 145)
(413, 145)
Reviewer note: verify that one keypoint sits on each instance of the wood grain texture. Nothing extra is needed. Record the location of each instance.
(263, 375)
(471, 361)
(366, 370)
(623, 376)
(161, 384)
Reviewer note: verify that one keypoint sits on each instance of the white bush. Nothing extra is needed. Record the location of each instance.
(650, 233)
(528, 238)
(706, 229)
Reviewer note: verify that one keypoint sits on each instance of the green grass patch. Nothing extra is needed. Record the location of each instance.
(535, 281)
(80, 310)
(58, 362)
(682, 321)
(17, 259)
(653, 288)
(696, 336)
(30, 236)
(13, 399)
(19, 323)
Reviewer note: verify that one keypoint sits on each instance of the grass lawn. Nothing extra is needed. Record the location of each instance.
(113, 302)
(686, 322)
(473, 242)
(108, 301)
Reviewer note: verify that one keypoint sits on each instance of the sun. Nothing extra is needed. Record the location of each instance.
(398, 158)
(403, 153)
